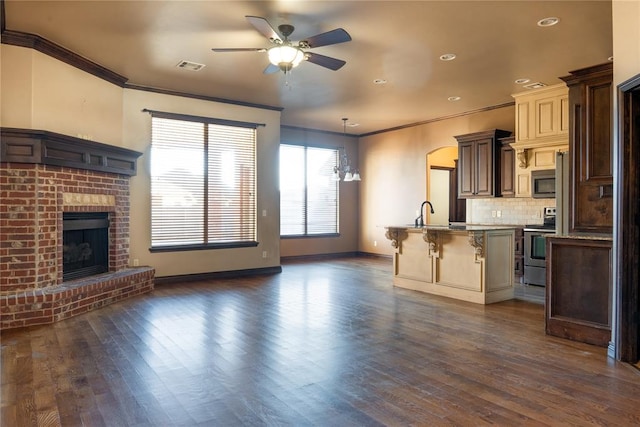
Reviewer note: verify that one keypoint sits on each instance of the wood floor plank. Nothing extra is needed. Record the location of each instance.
(328, 342)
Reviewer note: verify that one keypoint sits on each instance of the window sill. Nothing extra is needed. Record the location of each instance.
(203, 247)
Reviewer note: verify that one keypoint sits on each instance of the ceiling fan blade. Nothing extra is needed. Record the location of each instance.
(239, 49)
(330, 37)
(271, 69)
(263, 26)
(325, 61)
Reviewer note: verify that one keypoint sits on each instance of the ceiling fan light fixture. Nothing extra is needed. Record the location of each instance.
(285, 57)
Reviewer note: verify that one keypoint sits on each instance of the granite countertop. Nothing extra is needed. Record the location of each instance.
(581, 237)
(454, 227)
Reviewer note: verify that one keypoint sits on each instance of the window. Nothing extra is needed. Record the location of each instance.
(308, 191)
(203, 189)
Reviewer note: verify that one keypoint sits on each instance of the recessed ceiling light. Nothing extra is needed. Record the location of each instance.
(189, 65)
(448, 57)
(536, 85)
(454, 98)
(522, 81)
(353, 125)
(548, 22)
(379, 81)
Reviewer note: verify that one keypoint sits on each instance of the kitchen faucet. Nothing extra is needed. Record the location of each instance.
(419, 222)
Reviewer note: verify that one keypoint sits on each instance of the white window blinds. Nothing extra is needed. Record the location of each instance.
(308, 192)
(203, 189)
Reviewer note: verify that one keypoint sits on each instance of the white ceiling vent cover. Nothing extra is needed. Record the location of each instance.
(536, 85)
(188, 65)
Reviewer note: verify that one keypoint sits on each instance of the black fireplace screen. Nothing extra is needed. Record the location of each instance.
(85, 244)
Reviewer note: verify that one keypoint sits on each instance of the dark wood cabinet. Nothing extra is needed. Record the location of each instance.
(457, 206)
(578, 291)
(591, 147)
(518, 253)
(507, 167)
(479, 163)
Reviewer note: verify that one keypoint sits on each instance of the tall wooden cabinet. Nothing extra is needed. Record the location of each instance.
(479, 163)
(591, 147)
(579, 265)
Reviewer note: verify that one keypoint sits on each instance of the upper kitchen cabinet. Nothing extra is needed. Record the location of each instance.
(542, 129)
(591, 147)
(479, 173)
(542, 116)
(507, 167)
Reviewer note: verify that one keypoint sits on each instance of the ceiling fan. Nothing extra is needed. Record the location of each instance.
(285, 54)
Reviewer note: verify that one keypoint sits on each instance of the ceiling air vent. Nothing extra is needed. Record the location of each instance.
(188, 65)
(536, 85)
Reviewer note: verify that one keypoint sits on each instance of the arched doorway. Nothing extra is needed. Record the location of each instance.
(442, 186)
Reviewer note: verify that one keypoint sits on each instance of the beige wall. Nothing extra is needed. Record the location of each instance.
(626, 40)
(394, 164)
(137, 135)
(16, 64)
(349, 196)
(626, 65)
(39, 92)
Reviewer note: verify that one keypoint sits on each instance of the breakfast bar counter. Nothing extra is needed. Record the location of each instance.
(468, 262)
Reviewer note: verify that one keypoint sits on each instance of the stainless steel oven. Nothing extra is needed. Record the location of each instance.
(535, 248)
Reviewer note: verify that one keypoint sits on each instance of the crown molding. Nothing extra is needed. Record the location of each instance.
(33, 41)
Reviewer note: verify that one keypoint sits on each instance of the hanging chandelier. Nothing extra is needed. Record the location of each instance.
(344, 167)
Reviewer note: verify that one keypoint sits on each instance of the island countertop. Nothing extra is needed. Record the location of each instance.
(453, 227)
(471, 262)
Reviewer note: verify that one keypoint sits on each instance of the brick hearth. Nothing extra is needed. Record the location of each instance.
(34, 198)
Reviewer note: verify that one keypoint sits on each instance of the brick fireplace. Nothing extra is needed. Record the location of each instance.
(44, 175)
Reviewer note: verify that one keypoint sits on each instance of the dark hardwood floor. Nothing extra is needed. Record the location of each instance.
(328, 342)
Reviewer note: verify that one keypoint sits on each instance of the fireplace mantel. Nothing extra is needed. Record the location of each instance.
(50, 148)
(43, 176)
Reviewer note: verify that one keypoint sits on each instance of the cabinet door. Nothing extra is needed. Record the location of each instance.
(578, 293)
(508, 167)
(591, 146)
(547, 115)
(465, 170)
(484, 168)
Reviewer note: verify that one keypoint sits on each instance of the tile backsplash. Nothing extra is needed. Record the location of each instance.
(512, 211)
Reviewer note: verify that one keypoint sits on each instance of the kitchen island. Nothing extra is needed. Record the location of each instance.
(468, 262)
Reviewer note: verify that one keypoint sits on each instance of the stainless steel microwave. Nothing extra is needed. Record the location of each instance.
(543, 183)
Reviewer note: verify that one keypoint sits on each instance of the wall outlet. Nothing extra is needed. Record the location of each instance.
(499, 214)
(136, 262)
(375, 243)
(493, 214)
(264, 254)
(264, 212)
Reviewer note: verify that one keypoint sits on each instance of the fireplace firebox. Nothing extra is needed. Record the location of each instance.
(85, 244)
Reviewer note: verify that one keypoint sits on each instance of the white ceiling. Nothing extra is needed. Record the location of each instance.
(496, 42)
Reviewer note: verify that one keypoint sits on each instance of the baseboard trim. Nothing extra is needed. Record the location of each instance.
(182, 278)
(319, 257)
